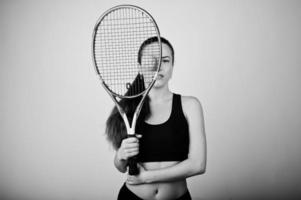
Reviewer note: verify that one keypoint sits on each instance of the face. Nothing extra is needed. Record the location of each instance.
(148, 61)
(166, 68)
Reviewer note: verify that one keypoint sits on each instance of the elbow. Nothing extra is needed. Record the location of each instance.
(199, 168)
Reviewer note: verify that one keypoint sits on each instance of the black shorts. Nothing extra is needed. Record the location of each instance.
(126, 194)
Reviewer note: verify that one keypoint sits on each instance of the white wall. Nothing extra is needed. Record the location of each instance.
(240, 58)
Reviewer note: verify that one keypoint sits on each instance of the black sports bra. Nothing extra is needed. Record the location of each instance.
(168, 141)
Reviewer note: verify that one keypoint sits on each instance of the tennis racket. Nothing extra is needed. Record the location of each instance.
(117, 38)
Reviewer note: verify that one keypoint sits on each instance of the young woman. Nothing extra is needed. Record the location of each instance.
(170, 145)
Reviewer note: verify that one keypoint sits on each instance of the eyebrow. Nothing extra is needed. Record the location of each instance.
(165, 57)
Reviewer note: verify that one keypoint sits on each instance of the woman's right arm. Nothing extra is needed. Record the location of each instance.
(129, 147)
(119, 163)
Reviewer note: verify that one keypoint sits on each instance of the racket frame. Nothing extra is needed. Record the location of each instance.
(130, 128)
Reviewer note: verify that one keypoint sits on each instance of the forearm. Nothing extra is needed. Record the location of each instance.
(120, 164)
(180, 171)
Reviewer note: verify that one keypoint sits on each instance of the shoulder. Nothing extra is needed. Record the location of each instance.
(191, 104)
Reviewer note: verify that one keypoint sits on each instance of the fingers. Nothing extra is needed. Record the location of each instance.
(130, 180)
(135, 180)
(125, 154)
(131, 145)
(130, 140)
(129, 148)
(131, 152)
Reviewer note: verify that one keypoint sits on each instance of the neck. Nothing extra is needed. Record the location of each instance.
(158, 94)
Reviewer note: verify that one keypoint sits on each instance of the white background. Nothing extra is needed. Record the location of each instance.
(240, 58)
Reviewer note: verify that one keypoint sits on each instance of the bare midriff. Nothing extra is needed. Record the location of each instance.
(159, 190)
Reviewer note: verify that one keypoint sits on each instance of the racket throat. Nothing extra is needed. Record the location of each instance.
(130, 129)
(131, 132)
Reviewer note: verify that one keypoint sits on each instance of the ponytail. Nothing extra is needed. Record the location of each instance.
(115, 127)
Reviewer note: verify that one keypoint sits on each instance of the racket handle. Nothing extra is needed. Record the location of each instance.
(132, 162)
(133, 168)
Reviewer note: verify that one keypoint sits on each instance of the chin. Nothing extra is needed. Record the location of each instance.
(158, 84)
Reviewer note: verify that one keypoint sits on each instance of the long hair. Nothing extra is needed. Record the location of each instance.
(152, 40)
(115, 127)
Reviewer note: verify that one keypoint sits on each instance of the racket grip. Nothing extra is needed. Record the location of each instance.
(133, 168)
(132, 163)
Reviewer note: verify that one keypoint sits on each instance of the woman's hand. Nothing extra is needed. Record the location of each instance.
(138, 179)
(129, 147)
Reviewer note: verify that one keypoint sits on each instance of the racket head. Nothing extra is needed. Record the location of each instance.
(117, 38)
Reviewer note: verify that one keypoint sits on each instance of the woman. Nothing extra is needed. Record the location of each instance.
(171, 145)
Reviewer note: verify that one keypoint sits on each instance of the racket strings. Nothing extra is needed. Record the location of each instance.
(117, 42)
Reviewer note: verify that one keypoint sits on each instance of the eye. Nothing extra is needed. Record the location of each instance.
(166, 60)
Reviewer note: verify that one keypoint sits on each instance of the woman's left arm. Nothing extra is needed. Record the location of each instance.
(195, 163)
